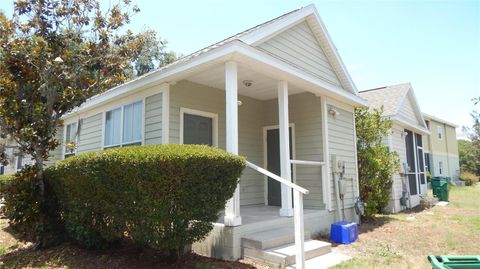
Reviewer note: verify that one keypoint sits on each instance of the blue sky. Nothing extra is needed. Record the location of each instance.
(435, 45)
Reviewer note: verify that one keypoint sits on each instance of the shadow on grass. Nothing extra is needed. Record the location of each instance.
(122, 256)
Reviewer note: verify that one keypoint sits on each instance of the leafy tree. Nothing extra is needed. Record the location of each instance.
(376, 164)
(469, 151)
(54, 55)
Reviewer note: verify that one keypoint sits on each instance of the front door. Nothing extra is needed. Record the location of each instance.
(273, 165)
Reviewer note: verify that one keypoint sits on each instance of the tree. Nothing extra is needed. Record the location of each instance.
(469, 151)
(54, 55)
(376, 164)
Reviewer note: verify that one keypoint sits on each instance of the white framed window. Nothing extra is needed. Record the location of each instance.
(439, 132)
(440, 168)
(198, 127)
(123, 126)
(71, 139)
(19, 162)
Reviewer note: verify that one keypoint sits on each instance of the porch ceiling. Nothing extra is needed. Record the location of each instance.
(263, 87)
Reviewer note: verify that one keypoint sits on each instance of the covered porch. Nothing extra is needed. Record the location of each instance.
(276, 124)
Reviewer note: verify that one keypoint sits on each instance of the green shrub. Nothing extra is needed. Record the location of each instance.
(33, 216)
(162, 196)
(469, 178)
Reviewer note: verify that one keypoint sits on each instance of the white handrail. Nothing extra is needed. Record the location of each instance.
(277, 178)
(312, 163)
(297, 214)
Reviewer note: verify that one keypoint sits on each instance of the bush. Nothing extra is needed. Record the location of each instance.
(33, 216)
(376, 164)
(469, 178)
(163, 196)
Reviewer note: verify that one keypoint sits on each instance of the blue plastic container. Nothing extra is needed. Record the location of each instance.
(344, 232)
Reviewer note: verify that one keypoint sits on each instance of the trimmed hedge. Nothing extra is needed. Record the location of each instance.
(163, 196)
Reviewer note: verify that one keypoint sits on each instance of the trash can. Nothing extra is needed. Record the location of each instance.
(454, 262)
(440, 188)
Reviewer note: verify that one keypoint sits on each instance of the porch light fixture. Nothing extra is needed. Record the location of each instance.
(247, 82)
(404, 134)
(240, 103)
(332, 111)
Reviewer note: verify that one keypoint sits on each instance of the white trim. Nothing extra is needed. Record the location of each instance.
(439, 120)
(166, 114)
(213, 116)
(439, 132)
(144, 122)
(408, 125)
(326, 193)
(224, 52)
(122, 119)
(265, 156)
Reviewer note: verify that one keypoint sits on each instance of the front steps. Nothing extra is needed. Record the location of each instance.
(277, 248)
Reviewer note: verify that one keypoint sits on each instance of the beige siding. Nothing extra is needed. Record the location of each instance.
(299, 47)
(305, 114)
(342, 144)
(398, 144)
(407, 112)
(153, 119)
(198, 97)
(91, 134)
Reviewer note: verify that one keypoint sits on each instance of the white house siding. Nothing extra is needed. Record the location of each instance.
(153, 119)
(305, 114)
(407, 112)
(398, 145)
(299, 47)
(342, 144)
(90, 138)
(198, 97)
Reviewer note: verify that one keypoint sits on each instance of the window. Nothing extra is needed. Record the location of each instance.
(2, 169)
(123, 126)
(198, 127)
(440, 132)
(440, 168)
(70, 139)
(19, 163)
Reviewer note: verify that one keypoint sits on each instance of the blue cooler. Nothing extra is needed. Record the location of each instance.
(344, 232)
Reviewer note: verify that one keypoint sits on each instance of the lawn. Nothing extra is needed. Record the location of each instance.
(405, 240)
(393, 241)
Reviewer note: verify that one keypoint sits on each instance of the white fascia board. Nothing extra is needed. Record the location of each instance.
(258, 36)
(430, 117)
(334, 49)
(225, 52)
(280, 65)
(417, 128)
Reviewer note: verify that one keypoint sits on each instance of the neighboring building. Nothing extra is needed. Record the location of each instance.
(401, 106)
(15, 161)
(441, 148)
(280, 81)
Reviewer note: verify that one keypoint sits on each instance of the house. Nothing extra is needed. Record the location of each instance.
(278, 94)
(441, 148)
(409, 128)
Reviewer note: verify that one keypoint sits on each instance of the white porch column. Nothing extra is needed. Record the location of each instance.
(285, 170)
(232, 208)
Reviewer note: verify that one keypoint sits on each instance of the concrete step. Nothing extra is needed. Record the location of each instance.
(271, 239)
(285, 255)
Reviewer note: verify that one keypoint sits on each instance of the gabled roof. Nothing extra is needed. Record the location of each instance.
(244, 43)
(393, 98)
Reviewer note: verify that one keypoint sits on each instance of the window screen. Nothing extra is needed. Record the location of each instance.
(197, 130)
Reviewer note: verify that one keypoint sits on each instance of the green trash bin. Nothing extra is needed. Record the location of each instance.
(440, 188)
(454, 262)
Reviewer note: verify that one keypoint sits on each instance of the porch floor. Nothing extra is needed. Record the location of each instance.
(259, 213)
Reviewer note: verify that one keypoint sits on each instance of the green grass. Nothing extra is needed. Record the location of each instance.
(397, 243)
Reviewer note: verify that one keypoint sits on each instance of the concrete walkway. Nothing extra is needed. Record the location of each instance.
(324, 261)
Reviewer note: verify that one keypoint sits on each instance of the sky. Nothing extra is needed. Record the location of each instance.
(434, 45)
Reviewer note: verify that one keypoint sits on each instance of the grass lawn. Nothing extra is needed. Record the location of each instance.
(393, 241)
(405, 240)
